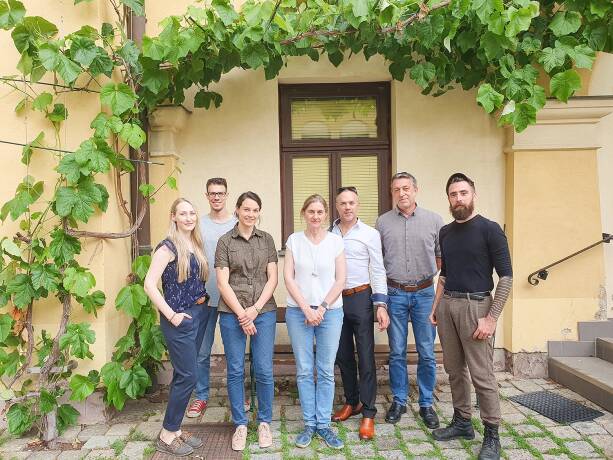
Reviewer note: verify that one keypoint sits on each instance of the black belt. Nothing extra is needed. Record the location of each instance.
(468, 295)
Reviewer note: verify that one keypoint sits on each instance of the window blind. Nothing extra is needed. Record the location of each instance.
(309, 175)
(362, 172)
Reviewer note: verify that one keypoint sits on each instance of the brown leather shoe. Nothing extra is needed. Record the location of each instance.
(367, 428)
(346, 411)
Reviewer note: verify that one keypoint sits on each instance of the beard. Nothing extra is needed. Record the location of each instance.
(462, 212)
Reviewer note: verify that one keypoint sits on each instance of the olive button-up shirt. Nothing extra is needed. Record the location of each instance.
(247, 261)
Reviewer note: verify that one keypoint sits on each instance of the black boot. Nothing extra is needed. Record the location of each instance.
(490, 450)
(459, 428)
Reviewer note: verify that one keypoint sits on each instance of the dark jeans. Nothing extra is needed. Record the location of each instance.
(359, 322)
(183, 344)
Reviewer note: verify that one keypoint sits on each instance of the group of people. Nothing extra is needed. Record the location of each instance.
(340, 279)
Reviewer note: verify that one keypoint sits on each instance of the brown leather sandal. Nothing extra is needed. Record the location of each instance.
(190, 439)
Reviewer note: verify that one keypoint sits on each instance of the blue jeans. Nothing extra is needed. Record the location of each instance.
(203, 369)
(262, 345)
(315, 398)
(183, 342)
(417, 306)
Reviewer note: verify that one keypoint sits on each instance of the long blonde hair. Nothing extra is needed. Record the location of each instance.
(183, 253)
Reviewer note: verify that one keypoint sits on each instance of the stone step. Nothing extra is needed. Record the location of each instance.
(591, 330)
(604, 349)
(591, 377)
(557, 348)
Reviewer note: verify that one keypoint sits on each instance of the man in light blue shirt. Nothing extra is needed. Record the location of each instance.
(365, 290)
(213, 225)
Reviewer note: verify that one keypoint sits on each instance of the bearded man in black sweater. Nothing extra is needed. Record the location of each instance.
(466, 314)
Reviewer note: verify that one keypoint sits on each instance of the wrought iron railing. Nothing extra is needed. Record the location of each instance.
(542, 273)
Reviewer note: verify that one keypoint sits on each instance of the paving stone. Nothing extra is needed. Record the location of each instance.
(444, 397)
(407, 421)
(362, 451)
(542, 444)
(45, 455)
(298, 453)
(526, 386)
(134, 450)
(421, 448)
(215, 414)
(556, 457)
(509, 392)
(387, 443)
(353, 437)
(276, 446)
(294, 426)
(70, 434)
(394, 455)
(100, 442)
(73, 454)
(157, 417)
(455, 454)
(293, 412)
(330, 457)
(352, 424)
(269, 456)
(588, 428)
(582, 448)
(150, 430)
(514, 419)
(385, 429)
(92, 430)
(453, 444)
(16, 444)
(16, 455)
(413, 435)
(518, 454)
(605, 442)
(606, 422)
(120, 429)
(564, 432)
(507, 442)
(527, 429)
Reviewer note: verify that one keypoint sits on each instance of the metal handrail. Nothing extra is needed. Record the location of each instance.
(542, 273)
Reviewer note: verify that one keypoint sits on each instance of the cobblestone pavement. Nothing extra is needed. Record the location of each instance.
(524, 433)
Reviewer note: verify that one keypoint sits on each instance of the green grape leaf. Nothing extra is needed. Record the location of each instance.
(134, 381)
(118, 96)
(565, 22)
(81, 387)
(131, 299)
(78, 281)
(564, 84)
(489, 98)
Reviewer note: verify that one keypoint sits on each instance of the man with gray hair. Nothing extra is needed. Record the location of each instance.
(411, 255)
(471, 248)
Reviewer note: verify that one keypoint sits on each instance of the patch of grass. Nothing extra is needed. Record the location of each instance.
(521, 440)
(118, 446)
(148, 414)
(136, 435)
(148, 452)
(562, 449)
(598, 449)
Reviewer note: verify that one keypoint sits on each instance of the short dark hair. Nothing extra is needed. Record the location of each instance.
(459, 177)
(248, 196)
(348, 188)
(404, 175)
(216, 181)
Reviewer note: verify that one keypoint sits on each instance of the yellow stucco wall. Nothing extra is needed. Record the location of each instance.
(108, 260)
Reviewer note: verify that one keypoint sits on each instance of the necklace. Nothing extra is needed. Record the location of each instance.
(314, 250)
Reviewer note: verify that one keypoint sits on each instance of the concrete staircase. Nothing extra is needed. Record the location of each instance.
(586, 366)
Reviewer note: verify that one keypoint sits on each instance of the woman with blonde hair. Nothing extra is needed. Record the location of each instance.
(314, 277)
(179, 260)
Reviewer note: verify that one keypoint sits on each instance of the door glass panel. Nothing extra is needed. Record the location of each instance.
(310, 175)
(340, 118)
(361, 172)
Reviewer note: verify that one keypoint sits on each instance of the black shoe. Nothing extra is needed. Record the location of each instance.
(490, 449)
(394, 413)
(429, 417)
(459, 427)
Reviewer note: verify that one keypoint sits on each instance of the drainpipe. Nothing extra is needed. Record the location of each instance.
(141, 241)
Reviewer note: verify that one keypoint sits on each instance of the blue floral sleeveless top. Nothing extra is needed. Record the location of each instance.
(180, 296)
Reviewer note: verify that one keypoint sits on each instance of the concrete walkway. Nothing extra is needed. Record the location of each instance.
(524, 434)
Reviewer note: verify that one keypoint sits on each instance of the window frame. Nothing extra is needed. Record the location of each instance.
(289, 148)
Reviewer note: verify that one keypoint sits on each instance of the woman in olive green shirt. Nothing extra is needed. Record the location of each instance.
(246, 265)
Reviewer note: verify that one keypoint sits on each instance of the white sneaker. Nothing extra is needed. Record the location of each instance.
(239, 438)
(264, 435)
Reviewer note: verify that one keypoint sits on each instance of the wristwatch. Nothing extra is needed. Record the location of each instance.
(325, 305)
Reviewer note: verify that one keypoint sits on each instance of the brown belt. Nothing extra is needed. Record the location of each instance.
(355, 290)
(408, 287)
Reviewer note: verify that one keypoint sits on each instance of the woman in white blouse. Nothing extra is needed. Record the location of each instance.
(314, 274)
